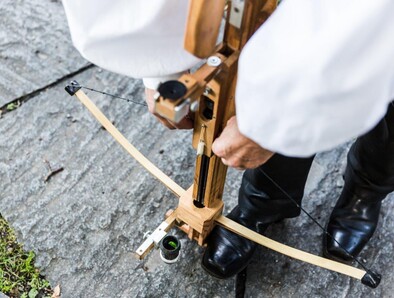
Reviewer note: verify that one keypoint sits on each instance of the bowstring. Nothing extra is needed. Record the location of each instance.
(115, 96)
(356, 259)
(314, 220)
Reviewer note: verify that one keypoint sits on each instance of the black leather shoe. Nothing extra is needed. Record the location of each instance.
(227, 253)
(260, 202)
(352, 223)
(369, 177)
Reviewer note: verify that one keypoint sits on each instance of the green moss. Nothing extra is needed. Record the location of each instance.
(18, 275)
(12, 106)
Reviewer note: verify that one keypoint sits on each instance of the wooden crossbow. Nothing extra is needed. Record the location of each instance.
(209, 93)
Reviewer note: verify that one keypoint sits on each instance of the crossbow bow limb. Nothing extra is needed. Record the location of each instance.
(209, 93)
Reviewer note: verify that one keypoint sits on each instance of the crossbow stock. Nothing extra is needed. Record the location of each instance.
(209, 93)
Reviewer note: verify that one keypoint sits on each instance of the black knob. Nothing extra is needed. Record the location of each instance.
(172, 90)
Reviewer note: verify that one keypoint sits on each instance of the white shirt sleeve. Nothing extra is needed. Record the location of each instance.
(316, 74)
(136, 38)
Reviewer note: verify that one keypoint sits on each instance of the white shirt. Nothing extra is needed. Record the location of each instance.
(316, 74)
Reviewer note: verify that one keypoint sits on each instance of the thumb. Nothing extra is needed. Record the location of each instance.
(218, 147)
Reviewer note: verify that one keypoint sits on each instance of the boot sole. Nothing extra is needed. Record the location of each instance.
(327, 255)
(221, 276)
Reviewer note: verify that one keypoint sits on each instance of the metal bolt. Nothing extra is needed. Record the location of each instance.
(194, 106)
(214, 61)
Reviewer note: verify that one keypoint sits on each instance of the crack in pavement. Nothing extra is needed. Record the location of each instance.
(24, 98)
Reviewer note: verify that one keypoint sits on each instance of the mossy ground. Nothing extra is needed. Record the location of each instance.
(18, 275)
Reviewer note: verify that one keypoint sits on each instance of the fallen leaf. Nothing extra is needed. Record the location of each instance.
(56, 292)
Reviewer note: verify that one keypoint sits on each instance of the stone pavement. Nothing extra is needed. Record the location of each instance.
(85, 222)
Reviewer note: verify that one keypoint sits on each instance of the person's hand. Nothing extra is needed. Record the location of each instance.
(185, 123)
(238, 151)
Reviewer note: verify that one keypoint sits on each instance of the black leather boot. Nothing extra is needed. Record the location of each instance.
(260, 203)
(352, 223)
(227, 253)
(369, 177)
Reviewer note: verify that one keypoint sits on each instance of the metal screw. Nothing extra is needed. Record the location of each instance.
(207, 91)
(214, 61)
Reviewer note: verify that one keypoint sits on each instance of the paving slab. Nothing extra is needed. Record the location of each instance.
(86, 221)
(35, 48)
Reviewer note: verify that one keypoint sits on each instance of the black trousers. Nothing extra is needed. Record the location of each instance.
(370, 169)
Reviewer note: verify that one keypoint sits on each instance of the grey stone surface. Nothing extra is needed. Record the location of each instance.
(85, 222)
(35, 48)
